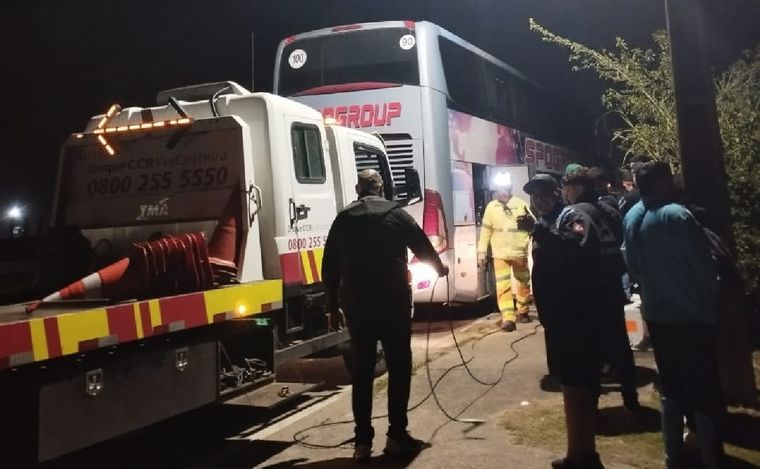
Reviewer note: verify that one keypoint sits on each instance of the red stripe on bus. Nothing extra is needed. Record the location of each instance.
(121, 322)
(313, 266)
(347, 87)
(189, 308)
(15, 338)
(53, 337)
(346, 27)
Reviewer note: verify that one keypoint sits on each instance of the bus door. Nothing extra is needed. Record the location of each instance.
(469, 278)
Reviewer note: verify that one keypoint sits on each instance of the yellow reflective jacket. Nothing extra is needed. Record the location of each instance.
(500, 229)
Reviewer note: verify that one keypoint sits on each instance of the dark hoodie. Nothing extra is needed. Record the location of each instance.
(365, 262)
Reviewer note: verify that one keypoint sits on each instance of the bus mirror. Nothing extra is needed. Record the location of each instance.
(413, 188)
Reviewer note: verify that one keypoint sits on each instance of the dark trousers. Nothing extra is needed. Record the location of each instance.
(616, 347)
(687, 362)
(396, 341)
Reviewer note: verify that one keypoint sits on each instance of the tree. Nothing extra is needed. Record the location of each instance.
(641, 94)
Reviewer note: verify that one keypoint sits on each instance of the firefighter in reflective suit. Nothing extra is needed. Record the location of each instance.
(506, 222)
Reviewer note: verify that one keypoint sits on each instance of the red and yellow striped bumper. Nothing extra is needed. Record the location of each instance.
(38, 339)
(302, 267)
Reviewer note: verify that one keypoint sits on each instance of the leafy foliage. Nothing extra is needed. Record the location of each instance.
(641, 93)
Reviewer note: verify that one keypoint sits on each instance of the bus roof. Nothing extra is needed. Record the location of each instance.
(438, 30)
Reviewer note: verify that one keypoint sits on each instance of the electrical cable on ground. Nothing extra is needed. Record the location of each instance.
(432, 384)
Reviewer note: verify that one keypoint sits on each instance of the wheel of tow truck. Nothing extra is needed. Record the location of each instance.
(380, 365)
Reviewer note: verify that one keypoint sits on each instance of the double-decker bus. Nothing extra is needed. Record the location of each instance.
(454, 113)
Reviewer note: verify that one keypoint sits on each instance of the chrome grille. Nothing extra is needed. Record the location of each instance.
(400, 157)
(364, 161)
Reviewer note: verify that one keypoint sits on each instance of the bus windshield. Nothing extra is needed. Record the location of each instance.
(386, 55)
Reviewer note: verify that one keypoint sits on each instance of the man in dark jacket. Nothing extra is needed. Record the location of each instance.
(580, 245)
(546, 204)
(365, 272)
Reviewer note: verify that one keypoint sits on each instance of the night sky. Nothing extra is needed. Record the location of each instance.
(62, 62)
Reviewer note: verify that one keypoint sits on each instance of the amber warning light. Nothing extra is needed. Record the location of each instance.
(103, 129)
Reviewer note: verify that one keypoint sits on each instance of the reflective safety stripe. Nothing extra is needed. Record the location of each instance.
(38, 339)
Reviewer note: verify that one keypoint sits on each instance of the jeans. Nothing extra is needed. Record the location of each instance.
(687, 362)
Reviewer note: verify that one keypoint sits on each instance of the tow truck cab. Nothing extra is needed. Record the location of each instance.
(208, 156)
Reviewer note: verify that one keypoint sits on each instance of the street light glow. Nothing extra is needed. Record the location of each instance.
(15, 212)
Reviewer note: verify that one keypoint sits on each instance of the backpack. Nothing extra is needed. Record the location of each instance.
(720, 252)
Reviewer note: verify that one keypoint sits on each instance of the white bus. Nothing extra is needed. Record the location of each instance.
(444, 107)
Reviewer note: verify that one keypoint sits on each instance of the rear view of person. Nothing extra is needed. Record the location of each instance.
(668, 253)
(365, 273)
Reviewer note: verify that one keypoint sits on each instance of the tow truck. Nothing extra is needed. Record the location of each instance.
(204, 219)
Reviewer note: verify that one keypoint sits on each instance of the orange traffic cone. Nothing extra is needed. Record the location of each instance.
(223, 247)
(167, 266)
(106, 276)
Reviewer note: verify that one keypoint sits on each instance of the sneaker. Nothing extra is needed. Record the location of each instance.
(524, 318)
(404, 445)
(508, 326)
(589, 462)
(362, 453)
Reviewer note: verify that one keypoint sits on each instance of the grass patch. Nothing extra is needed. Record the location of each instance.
(631, 440)
(620, 438)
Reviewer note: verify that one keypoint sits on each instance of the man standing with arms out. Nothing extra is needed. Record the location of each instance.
(503, 228)
(667, 251)
(546, 203)
(365, 271)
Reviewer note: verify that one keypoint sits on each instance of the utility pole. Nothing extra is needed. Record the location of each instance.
(705, 179)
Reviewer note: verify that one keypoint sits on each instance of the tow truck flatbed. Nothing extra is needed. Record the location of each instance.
(61, 330)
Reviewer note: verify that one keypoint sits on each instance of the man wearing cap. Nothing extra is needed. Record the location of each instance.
(546, 203)
(503, 229)
(364, 270)
(583, 247)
